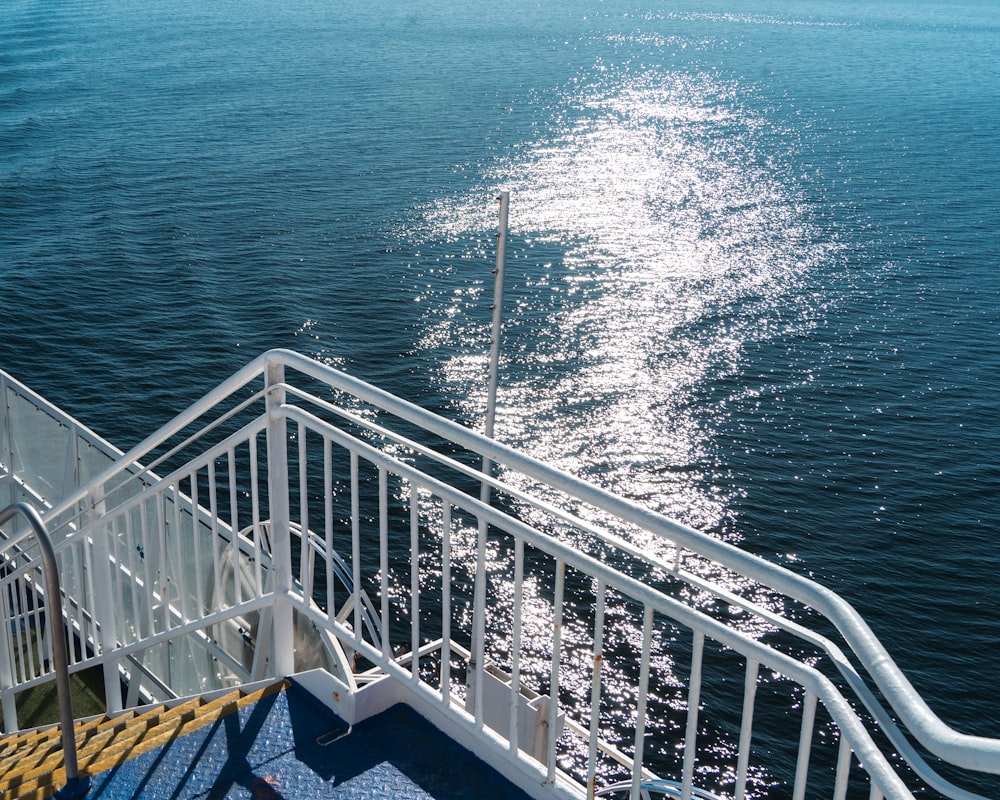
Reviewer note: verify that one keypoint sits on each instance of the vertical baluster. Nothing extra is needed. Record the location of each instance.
(146, 563)
(43, 645)
(81, 619)
(414, 580)
(17, 660)
(640, 711)
(22, 626)
(595, 689)
(177, 563)
(805, 744)
(383, 555)
(746, 728)
(199, 571)
(446, 603)
(255, 516)
(119, 542)
(36, 622)
(557, 623)
(164, 582)
(213, 509)
(61, 564)
(135, 591)
(234, 515)
(356, 544)
(515, 664)
(694, 699)
(72, 654)
(479, 626)
(843, 769)
(90, 599)
(306, 560)
(331, 595)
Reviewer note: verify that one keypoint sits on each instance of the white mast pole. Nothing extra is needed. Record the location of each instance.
(474, 679)
(491, 396)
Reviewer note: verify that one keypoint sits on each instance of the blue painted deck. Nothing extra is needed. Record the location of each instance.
(269, 752)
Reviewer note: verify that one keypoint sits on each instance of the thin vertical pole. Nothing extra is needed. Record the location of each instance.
(475, 689)
(494, 372)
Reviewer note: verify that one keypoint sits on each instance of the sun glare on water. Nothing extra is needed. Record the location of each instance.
(653, 242)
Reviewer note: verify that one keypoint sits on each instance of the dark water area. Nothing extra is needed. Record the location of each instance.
(753, 271)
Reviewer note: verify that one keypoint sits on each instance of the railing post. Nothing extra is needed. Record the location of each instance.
(105, 602)
(282, 643)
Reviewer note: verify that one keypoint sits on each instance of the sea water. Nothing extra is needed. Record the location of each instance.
(752, 276)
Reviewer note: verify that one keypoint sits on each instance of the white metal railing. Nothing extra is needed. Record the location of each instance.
(261, 514)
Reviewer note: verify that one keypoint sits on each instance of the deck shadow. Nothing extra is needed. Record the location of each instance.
(273, 751)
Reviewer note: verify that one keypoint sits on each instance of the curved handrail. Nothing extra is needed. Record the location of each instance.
(977, 753)
(76, 787)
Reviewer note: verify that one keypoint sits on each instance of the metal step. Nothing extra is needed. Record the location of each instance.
(31, 761)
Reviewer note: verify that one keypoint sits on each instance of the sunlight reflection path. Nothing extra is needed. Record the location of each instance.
(655, 237)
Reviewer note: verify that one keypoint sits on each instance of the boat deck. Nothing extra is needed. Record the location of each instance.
(275, 749)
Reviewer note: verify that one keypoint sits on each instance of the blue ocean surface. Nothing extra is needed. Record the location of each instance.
(753, 276)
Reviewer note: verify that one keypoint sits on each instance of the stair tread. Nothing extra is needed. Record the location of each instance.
(105, 742)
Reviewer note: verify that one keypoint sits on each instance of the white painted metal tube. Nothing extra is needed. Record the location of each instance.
(515, 657)
(446, 602)
(843, 770)
(595, 688)
(693, 704)
(746, 727)
(553, 710)
(383, 538)
(414, 577)
(805, 746)
(494, 370)
(640, 712)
